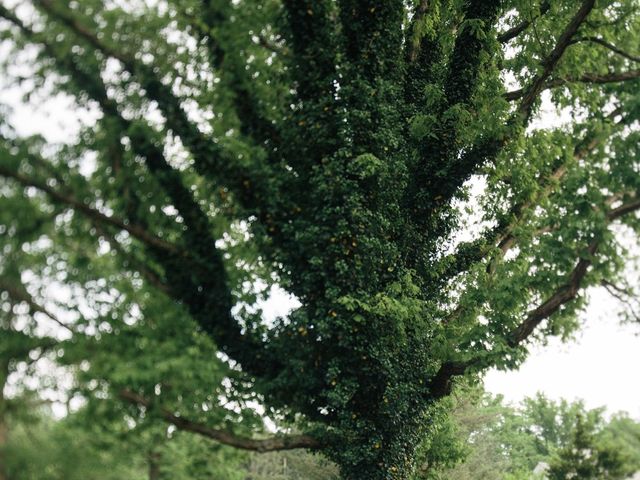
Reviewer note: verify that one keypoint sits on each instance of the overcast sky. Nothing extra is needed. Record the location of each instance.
(600, 366)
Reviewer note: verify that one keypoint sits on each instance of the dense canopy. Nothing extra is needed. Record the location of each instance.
(389, 165)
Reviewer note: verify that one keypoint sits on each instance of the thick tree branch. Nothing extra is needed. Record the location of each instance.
(458, 90)
(18, 293)
(551, 61)
(208, 155)
(525, 24)
(372, 39)
(440, 384)
(489, 149)
(624, 209)
(594, 78)
(441, 172)
(253, 122)
(285, 442)
(423, 53)
(504, 238)
(141, 137)
(313, 47)
(197, 278)
(313, 61)
(412, 40)
(373, 36)
(135, 230)
(150, 275)
(464, 66)
(613, 48)
(563, 295)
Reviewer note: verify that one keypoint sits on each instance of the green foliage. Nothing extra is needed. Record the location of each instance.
(586, 457)
(296, 465)
(77, 447)
(48, 450)
(503, 442)
(325, 148)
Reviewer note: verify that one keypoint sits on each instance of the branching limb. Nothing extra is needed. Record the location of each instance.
(314, 56)
(373, 36)
(141, 137)
(278, 443)
(440, 384)
(458, 88)
(18, 293)
(198, 277)
(563, 295)
(551, 61)
(206, 153)
(513, 32)
(440, 173)
(624, 296)
(503, 237)
(464, 66)
(613, 48)
(424, 51)
(150, 275)
(253, 122)
(313, 48)
(624, 209)
(135, 230)
(490, 148)
(616, 290)
(595, 78)
(413, 41)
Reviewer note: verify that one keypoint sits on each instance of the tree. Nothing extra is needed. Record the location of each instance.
(42, 449)
(291, 465)
(565, 439)
(583, 457)
(327, 148)
(493, 439)
(18, 345)
(82, 446)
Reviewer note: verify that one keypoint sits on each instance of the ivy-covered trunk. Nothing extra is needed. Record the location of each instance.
(377, 470)
(388, 422)
(392, 459)
(324, 147)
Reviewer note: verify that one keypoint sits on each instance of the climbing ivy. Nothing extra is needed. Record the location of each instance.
(332, 150)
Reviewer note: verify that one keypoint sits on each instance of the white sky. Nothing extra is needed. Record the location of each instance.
(600, 366)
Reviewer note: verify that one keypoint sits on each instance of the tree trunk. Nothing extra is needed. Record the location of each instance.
(395, 462)
(378, 472)
(3, 444)
(4, 430)
(154, 465)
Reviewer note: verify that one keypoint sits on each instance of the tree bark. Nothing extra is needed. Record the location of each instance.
(4, 431)
(3, 442)
(154, 465)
